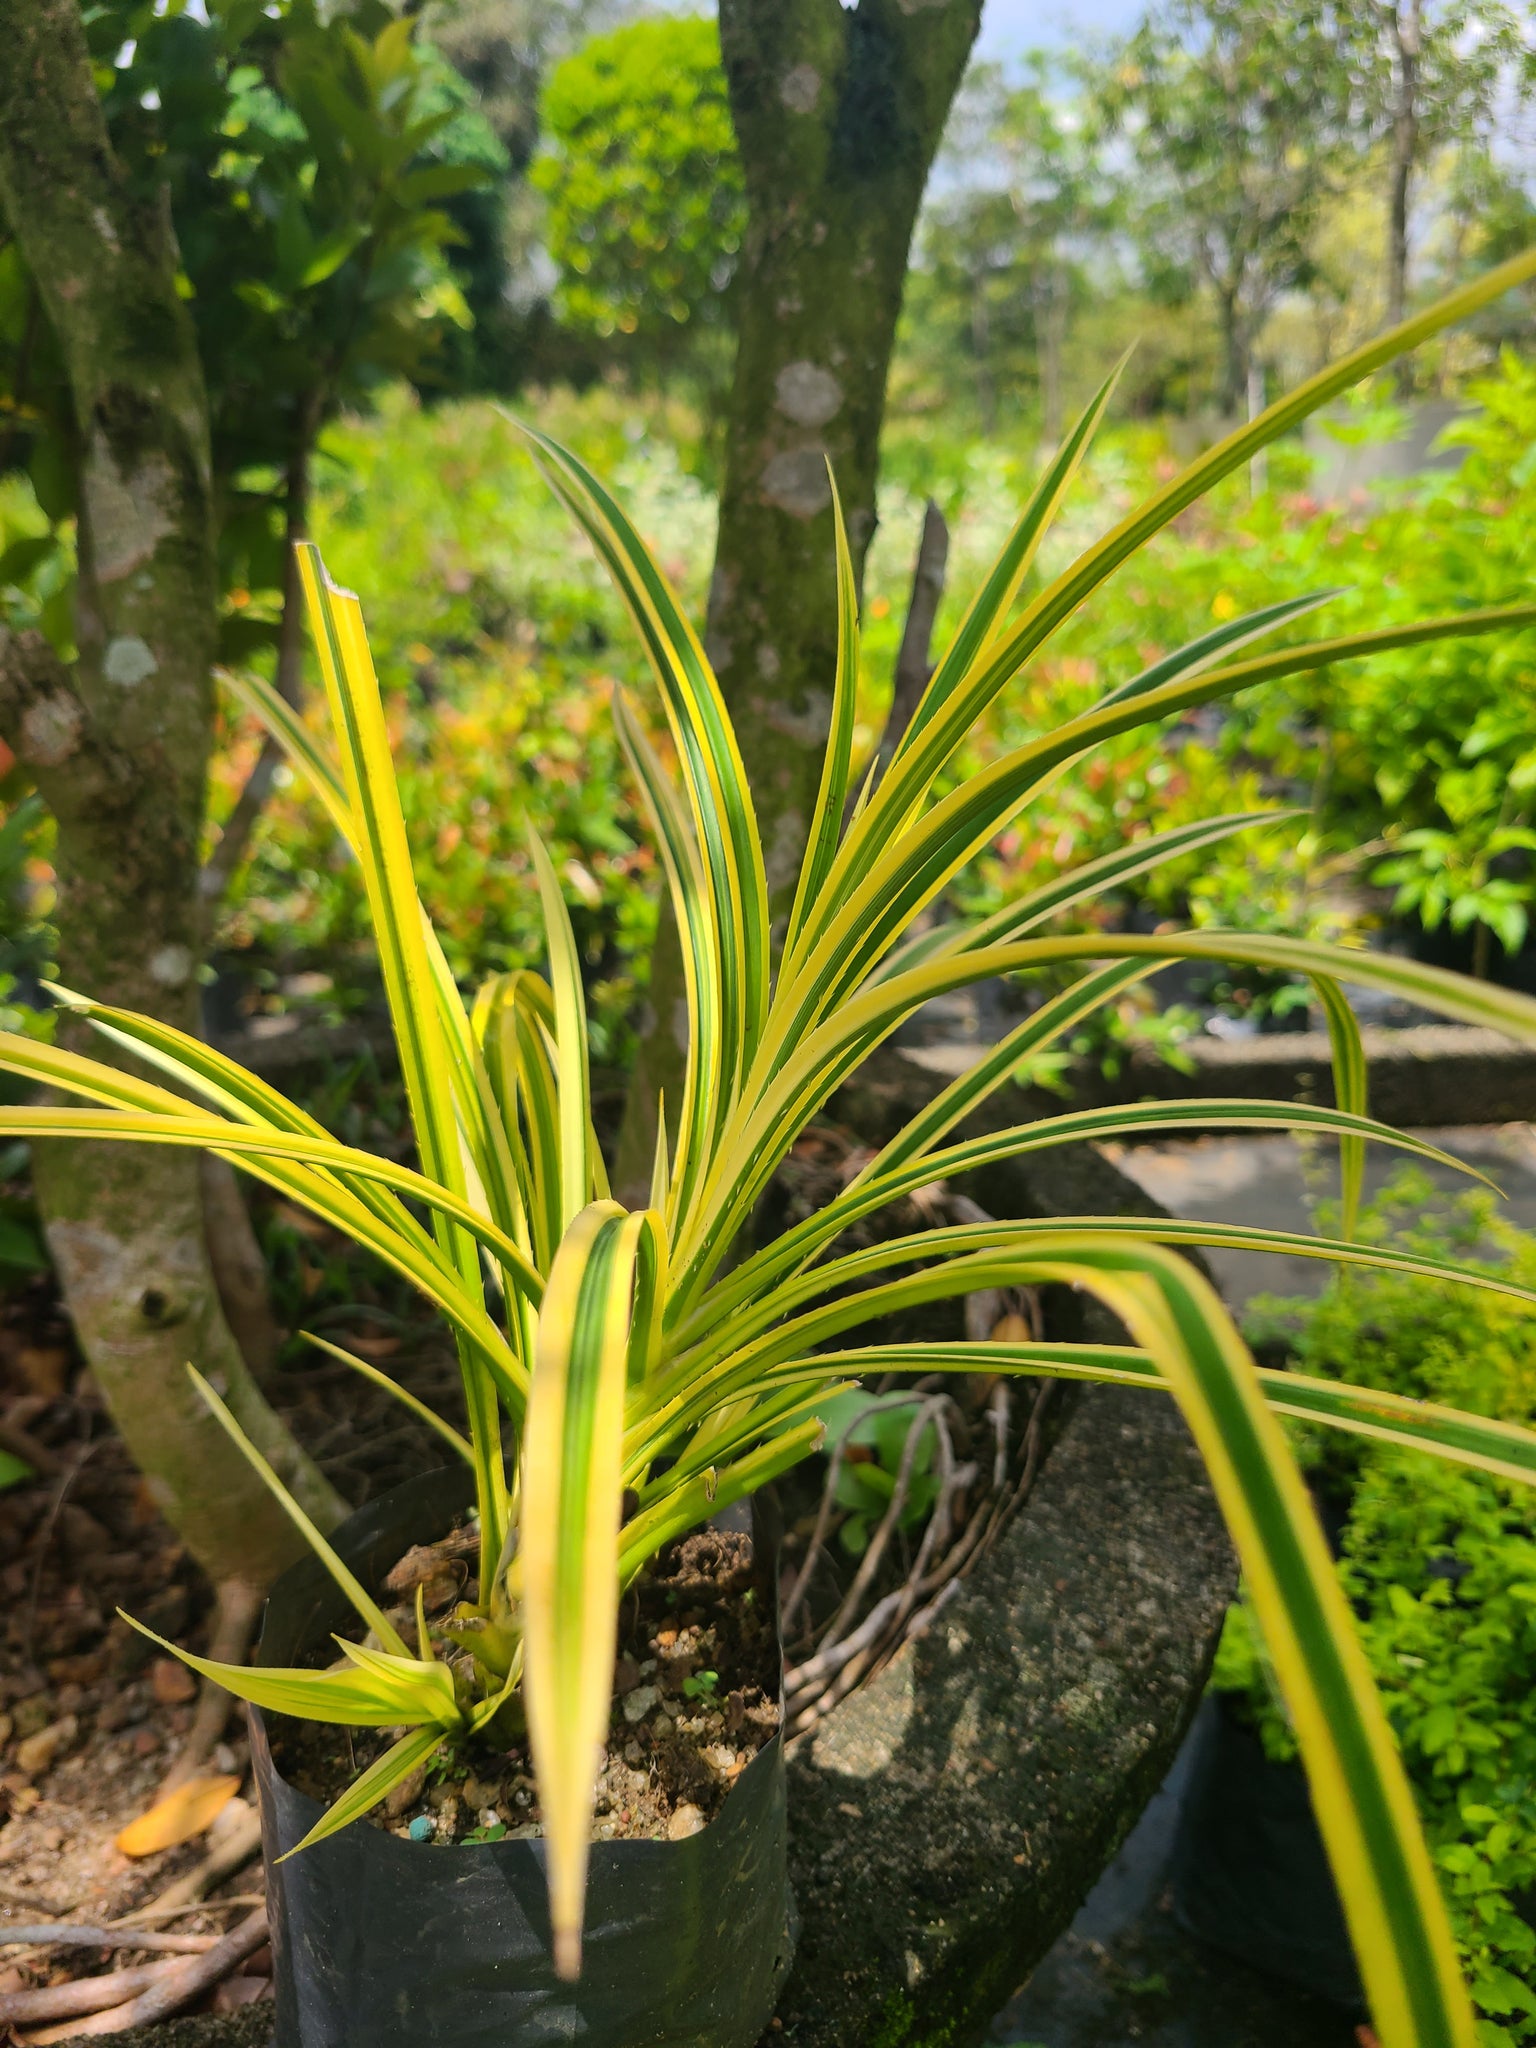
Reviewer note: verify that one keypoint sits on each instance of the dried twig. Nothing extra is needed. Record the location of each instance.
(912, 666)
(80, 1995)
(190, 1906)
(240, 1844)
(816, 1548)
(176, 1985)
(238, 1611)
(869, 1564)
(22, 1444)
(959, 1531)
(63, 1934)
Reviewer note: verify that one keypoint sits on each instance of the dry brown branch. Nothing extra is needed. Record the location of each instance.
(912, 665)
(80, 1995)
(135, 1919)
(63, 1934)
(239, 1610)
(177, 1985)
(927, 1413)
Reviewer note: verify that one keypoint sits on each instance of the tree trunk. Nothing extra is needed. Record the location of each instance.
(981, 349)
(1407, 31)
(1051, 306)
(118, 744)
(288, 677)
(838, 112)
(1233, 393)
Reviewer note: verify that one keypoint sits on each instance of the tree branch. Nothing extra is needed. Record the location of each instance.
(912, 664)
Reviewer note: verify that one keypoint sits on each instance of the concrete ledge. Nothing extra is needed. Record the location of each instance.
(949, 1821)
(1425, 1075)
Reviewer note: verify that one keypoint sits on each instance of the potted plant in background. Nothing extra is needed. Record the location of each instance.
(1437, 1563)
(628, 1375)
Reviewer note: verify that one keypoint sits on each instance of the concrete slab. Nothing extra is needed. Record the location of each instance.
(1275, 1183)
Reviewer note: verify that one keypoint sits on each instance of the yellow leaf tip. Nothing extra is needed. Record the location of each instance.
(568, 1953)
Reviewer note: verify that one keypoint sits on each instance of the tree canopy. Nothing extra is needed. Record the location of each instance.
(644, 189)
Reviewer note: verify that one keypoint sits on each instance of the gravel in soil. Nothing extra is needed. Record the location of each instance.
(696, 1695)
(92, 1717)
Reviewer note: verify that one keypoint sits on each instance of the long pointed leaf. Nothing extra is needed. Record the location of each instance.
(879, 813)
(988, 611)
(1503, 1448)
(376, 1783)
(450, 1436)
(908, 874)
(724, 817)
(406, 963)
(1350, 1091)
(363, 1602)
(1199, 654)
(987, 676)
(832, 796)
(348, 1699)
(572, 1484)
(574, 1093)
(883, 1183)
(1386, 1882)
(693, 907)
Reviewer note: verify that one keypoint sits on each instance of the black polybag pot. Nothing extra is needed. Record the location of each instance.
(384, 1943)
(1250, 1874)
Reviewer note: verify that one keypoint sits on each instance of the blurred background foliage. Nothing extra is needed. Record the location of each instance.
(392, 223)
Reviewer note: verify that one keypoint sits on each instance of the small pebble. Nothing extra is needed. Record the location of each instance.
(41, 1751)
(421, 1828)
(639, 1703)
(172, 1683)
(686, 1820)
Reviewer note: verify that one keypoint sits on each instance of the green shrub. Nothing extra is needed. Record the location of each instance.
(1440, 1566)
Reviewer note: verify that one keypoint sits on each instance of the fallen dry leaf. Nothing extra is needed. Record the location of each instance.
(179, 1816)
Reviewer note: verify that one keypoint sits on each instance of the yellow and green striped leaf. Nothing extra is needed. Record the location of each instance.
(881, 1184)
(363, 1603)
(832, 795)
(370, 1786)
(1386, 1881)
(935, 742)
(573, 1093)
(299, 744)
(355, 1698)
(1351, 1091)
(411, 987)
(1505, 1449)
(367, 1370)
(723, 813)
(901, 878)
(1199, 654)
(706, 1079)
(571, 1495)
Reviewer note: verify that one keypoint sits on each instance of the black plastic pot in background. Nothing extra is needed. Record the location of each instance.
(1250, 1874)
(384, 1943)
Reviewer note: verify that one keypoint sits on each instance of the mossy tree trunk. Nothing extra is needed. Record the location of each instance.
(118, 743)
(838, 113)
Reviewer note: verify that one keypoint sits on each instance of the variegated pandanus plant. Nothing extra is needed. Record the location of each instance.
(626, 1374)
